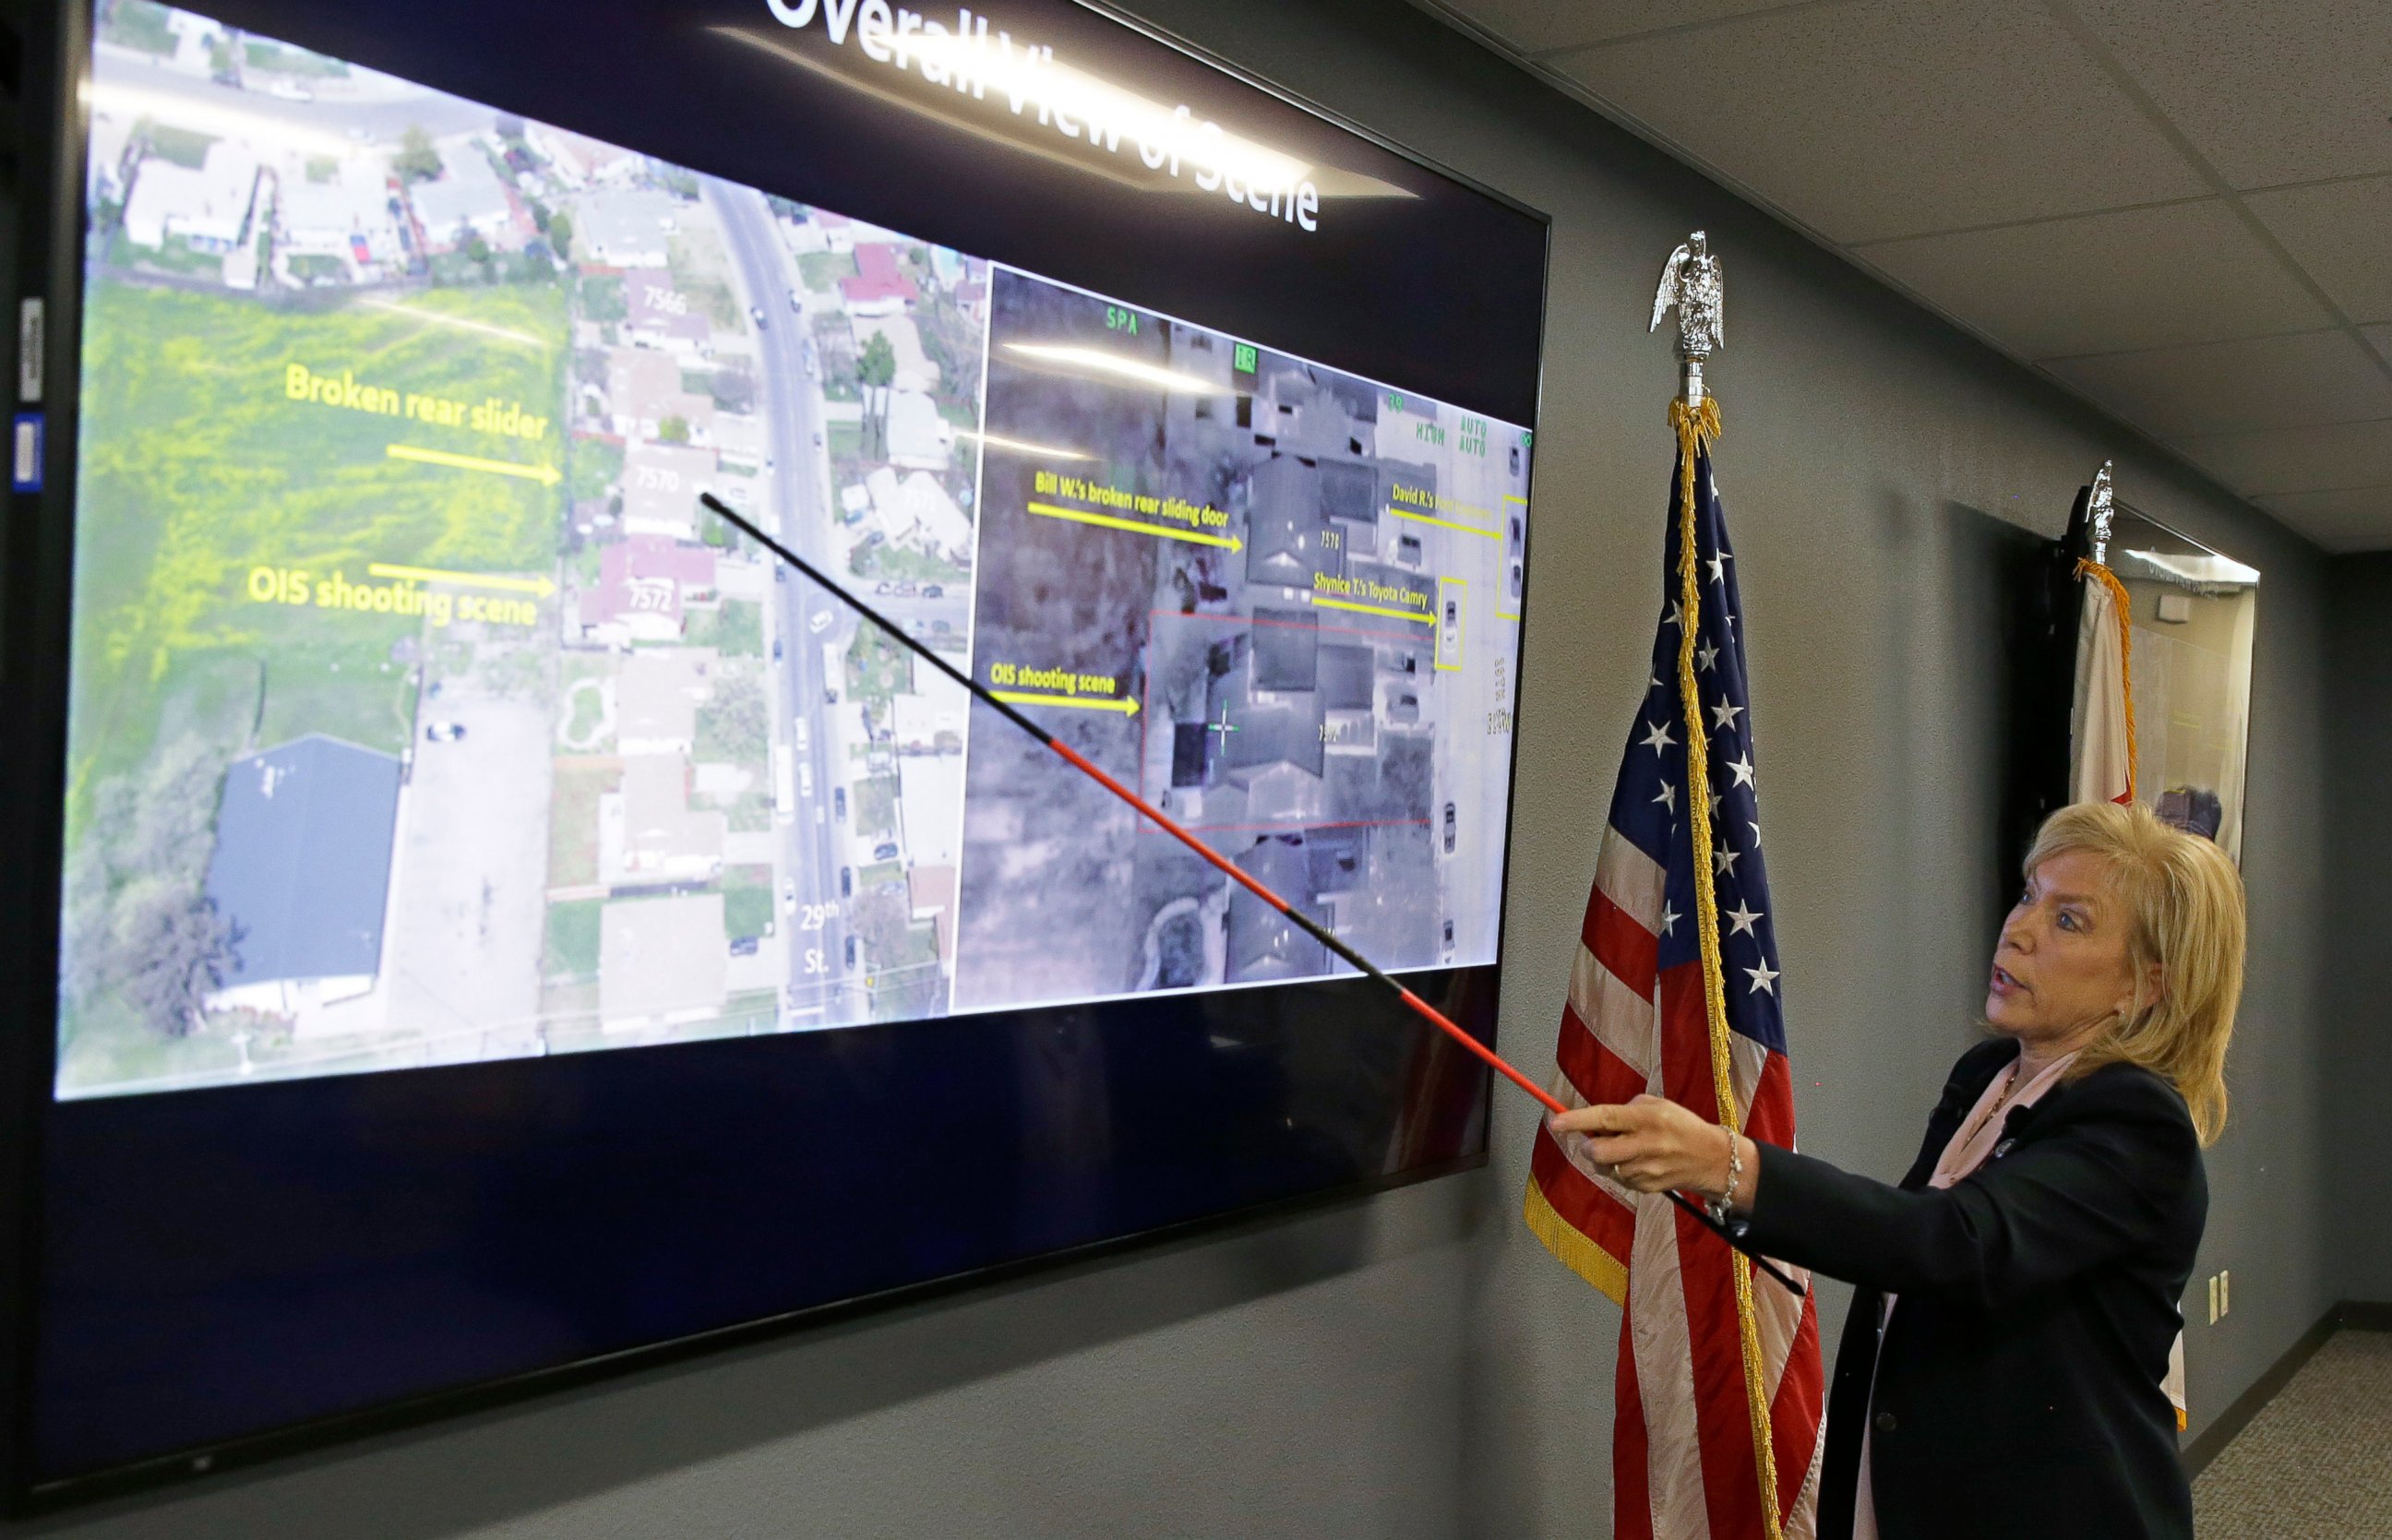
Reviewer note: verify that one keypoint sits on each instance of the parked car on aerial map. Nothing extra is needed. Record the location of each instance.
(851, 953)
(886, 851)
(847, 882)
(1448, 828)
(444, 732)
(1453, 637)
(839, 802)
(756, 314)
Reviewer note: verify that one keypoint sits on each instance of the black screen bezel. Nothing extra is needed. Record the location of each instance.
(36, 624)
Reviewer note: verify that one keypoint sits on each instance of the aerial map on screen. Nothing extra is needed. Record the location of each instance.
(421, 715)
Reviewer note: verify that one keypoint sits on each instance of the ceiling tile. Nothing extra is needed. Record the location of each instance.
(1886, 117)
(2342, 234)
(2268, 90)
(1540, 26)
(2331, 458)
(2339, 521)
(2233, 387)
(2104, 283)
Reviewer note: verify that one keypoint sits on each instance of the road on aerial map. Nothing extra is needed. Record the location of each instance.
(799, 513)
(822, 991)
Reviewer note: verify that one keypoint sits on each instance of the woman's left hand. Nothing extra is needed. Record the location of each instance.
(1652, 1145)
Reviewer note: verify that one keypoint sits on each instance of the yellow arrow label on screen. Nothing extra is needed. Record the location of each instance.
(1105, 520)
(547, 475)
(540, 585)
(1374, 609)
(1125, 705)
(1443, 523)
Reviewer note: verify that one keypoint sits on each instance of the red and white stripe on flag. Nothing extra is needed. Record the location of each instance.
(1683, 1458)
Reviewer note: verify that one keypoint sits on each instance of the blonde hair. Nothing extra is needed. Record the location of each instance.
(2185, 900)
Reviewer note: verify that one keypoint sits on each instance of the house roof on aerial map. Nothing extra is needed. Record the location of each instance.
(627, 226)
(653, 305)
(302, 863)
(1265, 944)
(662, 959)
(646, 574)
(919, 436)
(468, 193)
(657, 697)
(878, 278)
(1284, 524)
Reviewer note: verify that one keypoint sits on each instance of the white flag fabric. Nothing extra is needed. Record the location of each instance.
(2101, 726)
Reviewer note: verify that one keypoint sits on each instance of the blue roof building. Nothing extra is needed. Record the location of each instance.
(301, 870)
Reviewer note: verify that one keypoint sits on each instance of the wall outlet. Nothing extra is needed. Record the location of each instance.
(2226, 1293)
(2212, 1298)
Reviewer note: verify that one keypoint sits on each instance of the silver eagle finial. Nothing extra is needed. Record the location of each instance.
(1691, 280)
(2099, 507)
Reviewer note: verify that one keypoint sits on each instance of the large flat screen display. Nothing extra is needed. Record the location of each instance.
(422, 729)
(421, 715)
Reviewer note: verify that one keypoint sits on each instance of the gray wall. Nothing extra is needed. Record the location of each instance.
(2359, 1098)
(1416, 1364)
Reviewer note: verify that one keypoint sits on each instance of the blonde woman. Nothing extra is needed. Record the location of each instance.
(2001, 1369)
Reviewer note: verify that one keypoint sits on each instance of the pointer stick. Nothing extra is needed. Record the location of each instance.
(1078, 761)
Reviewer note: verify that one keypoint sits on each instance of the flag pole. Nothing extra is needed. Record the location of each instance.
(1691, 279)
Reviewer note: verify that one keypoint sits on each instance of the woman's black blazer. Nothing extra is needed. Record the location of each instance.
(2017, 1386)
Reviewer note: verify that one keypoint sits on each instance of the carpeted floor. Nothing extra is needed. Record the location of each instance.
(2317, 1461)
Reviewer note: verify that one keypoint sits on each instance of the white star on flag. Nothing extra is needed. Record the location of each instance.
(1725, 715)
(1709, 655)
(1669, 798)
(1668, 920)
(1659, 739)
(1724, 861)
(1743, 768)
(1765, 978)
(1743, 919)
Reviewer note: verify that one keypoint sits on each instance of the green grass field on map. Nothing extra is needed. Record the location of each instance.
(213, 492)
(205, 489)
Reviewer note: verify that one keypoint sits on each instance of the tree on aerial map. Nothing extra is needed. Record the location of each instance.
(875, 369)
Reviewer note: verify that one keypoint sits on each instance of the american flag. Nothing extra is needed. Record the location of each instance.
(1684, 1459)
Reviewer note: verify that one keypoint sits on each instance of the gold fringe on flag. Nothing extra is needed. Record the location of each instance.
(1698, 426)
(2121, 602)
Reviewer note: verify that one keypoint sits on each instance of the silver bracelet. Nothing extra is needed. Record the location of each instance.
(1721, 1205)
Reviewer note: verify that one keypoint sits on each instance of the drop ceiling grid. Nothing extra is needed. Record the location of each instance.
(2242, 152)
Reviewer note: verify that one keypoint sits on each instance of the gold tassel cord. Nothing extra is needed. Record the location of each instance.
(1698, 426)
(2124, 605)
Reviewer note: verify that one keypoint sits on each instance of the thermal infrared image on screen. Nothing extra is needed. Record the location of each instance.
(421, 715)
(1281, 602)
